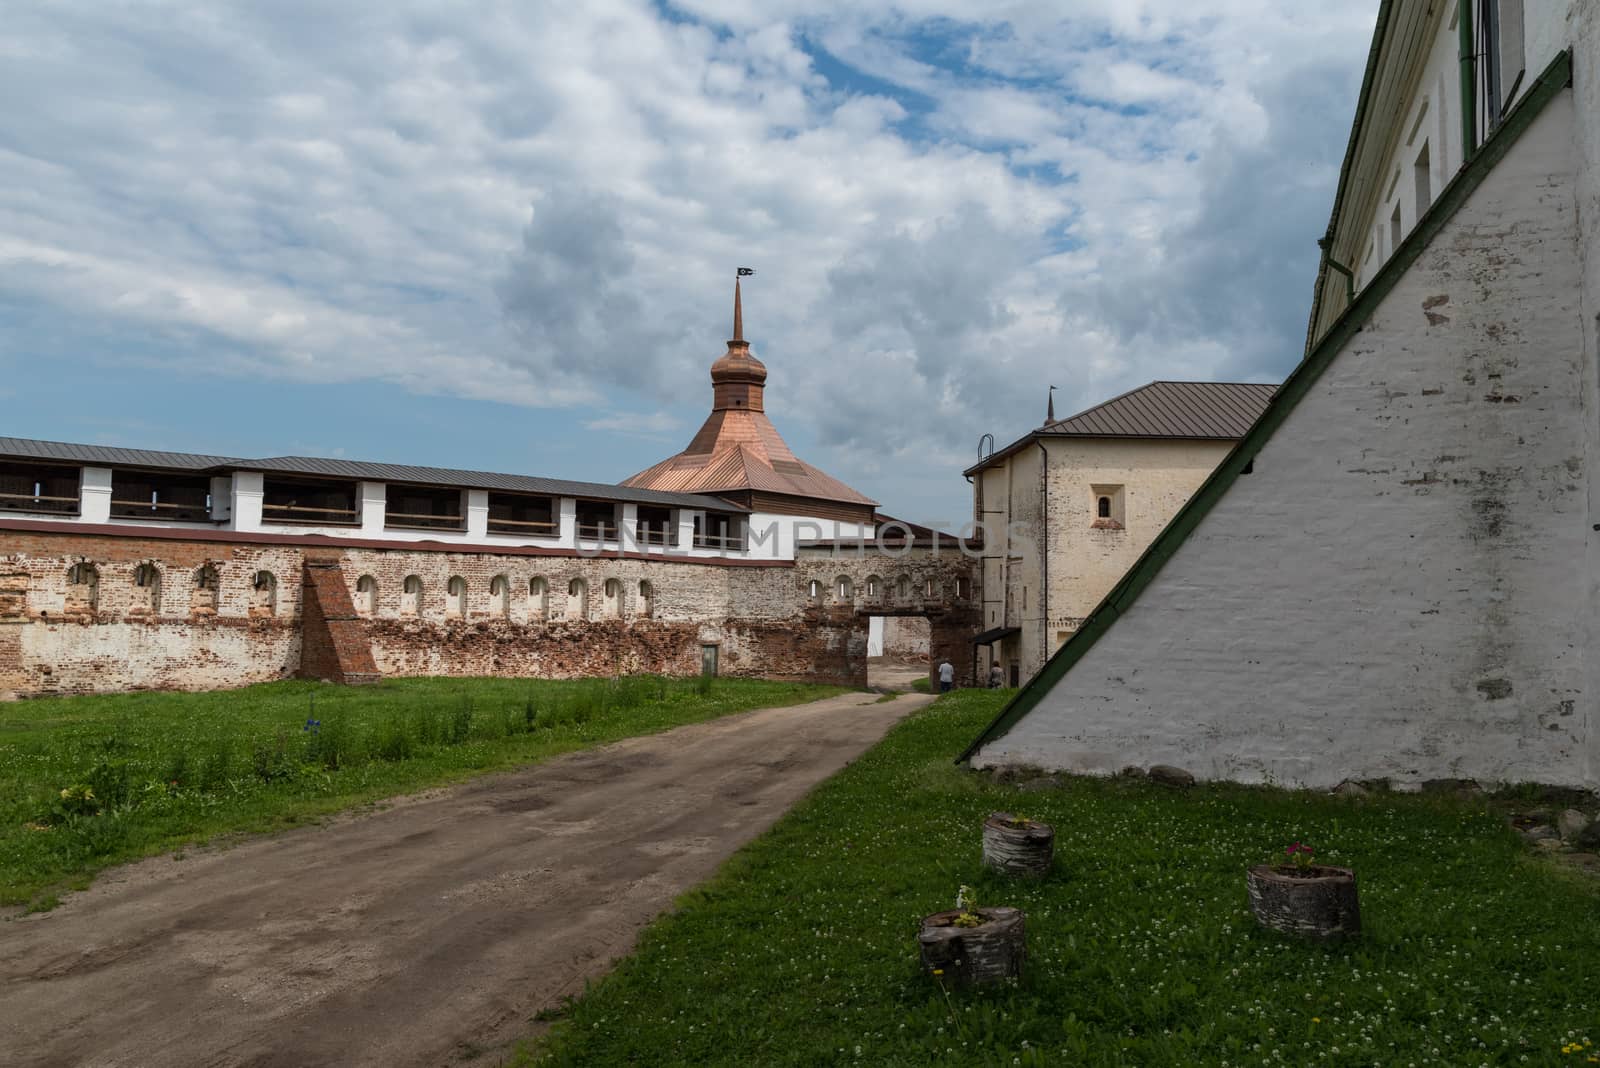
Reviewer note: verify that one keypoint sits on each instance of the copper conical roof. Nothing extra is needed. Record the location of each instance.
(738, 448)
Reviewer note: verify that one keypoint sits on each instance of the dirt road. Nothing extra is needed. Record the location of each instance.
(420, 935)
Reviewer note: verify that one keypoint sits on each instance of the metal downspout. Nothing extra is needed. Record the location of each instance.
(1044, 543)
(1469, 89)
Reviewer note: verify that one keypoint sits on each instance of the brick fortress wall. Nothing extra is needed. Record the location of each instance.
(161, 612)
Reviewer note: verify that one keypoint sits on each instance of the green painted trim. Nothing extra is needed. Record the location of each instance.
(1556, 77)
(1469, 79)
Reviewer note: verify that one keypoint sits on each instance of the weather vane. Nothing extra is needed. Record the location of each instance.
(745, 272)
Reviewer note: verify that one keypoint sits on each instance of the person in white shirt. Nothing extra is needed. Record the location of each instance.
(947, 676)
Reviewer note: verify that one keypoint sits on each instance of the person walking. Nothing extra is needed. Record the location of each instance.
(947, 675)
(996, 676)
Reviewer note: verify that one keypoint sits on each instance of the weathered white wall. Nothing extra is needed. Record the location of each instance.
(1400, 588)
(1157, 479)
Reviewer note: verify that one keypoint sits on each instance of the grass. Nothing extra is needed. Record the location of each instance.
(86, 782)
(922, 685)
(1141, 948)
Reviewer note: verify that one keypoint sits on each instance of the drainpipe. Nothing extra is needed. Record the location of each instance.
(1044, 541)
(1469, 79)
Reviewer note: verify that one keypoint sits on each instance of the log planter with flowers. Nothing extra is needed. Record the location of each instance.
(968, 945)
(1014, 845)
(1304, 899)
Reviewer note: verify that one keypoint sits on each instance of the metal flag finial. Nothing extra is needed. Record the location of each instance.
(746, 272)
(1050, 407)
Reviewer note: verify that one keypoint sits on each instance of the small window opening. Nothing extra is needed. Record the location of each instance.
(83, 588)
(264, 601)
(577, 599)
(1108, 507)
(455, 600)
(367, 595)
(203, 599)
(539, 598)
(500, 597)
(147, 585)
(411, 596)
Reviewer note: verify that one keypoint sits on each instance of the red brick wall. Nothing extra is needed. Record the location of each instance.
(177, 635)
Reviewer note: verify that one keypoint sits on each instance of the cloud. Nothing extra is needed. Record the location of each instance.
(951, 204)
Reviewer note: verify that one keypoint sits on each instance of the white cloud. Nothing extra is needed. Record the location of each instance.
(543, 203)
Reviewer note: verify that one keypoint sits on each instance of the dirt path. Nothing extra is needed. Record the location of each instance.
(419, 935)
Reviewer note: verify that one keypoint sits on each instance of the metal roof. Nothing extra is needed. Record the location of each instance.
(110, 456)
(1203, 411)
(107, 455)
(1222, 410)
(741, 450)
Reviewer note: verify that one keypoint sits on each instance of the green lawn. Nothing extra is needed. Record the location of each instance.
(145, 772)
(1141, 948)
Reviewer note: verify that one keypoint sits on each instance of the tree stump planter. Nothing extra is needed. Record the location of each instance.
(967, 956)
(1011, 848)
(1315, 902)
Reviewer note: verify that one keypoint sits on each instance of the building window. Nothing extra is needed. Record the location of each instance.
(147, 589)
(716, 530)
(597, 520)
(539, 598)
(411, 596)
(46, 488)
(814, 590)
(655, 526)
(843, 589)
(83, 589)
(963, 588)
(152, 495)
(611, 598)
(577, 599)
(203, 598)
(307, 501)
(264, 601)
(1394, 230)
(516, 513)
(1108, 507)
(500, 597)
(874, 587)
(1498, 33)
(927, 589)
(367, 595)
(423, 508)
(647, 599)
(455, 597)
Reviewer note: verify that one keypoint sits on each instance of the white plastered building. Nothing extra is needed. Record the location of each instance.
(1393, 574)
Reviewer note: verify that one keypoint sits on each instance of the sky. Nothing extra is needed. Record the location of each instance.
(503, 236)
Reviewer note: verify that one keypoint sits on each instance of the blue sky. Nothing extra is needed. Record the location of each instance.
(502, 236)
